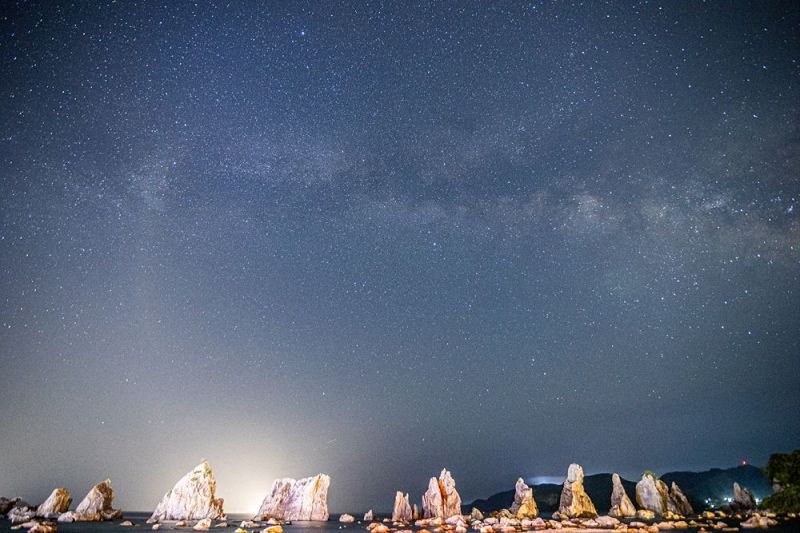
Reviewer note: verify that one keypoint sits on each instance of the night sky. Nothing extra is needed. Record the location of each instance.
(377, 239)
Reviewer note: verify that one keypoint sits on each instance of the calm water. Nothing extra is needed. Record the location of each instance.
(331, 526)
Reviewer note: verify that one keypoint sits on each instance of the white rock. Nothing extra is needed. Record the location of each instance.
(369, 516)
(203, 525)
(58, 502)
(297, 499)
(347, 519)
(401, 512)
(652, 494)
(192, 498)
(441, 500)
(97, 505)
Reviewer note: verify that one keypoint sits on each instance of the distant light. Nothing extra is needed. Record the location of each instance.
(743, 462)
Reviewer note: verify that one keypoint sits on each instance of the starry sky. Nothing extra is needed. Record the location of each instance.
(375, 239)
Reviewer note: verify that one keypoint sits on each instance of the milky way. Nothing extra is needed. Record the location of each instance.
(378, 239)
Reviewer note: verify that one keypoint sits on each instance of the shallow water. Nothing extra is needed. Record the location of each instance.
(332, 526)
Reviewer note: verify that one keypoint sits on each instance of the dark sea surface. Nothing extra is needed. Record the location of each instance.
(332, 526)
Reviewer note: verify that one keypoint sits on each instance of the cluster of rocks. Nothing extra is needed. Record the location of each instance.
(192, 503)
(95, 507)
(661, 507)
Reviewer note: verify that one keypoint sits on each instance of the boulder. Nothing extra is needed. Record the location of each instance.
(192, 498)
(743, 499)
(369, 516)
(575, 503)
(476, 514)
(202, 525)
(43, 527)
(296, 499)
(21, 514)
(678, 503)
(441, 500)
(621, 505)
(347, 518)
(58, 502)
(652, 494)
(524, 505)
(402, 511)
(96, 506)
(758, 522)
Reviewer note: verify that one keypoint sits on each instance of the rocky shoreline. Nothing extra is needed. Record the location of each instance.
(192, 503)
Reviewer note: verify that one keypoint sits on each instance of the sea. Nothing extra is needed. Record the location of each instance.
(331, 526)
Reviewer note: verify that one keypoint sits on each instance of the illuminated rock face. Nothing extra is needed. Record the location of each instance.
(524, 505)
(621, 505)
(678, 503)
(192, 498)
(96, 506)
(58, 502)
(402, 508)
(297, 499)
(575, 503)
(652, 494)
(441, 500)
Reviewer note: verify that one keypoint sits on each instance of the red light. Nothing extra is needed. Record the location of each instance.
(743, 462)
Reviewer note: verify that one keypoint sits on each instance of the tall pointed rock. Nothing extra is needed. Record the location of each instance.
(678, 503)
(192, 498)
(524, 505)
(402, 508)
(575, 503)
(58, 502)
(621, 505)
(97, 504)
(441, 500)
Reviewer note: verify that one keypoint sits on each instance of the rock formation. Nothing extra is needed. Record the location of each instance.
(415, 512)
(652, 494)
(575, 503)
(743, 499)
(6, 505)
(19, 514)
(58, 502)
(441, 500)
(296, 499)
(347, 518)
(96, 506)
(476, 514)
(524, 505)
(678, 503)
(402, 509)
(192, 498)
(369, 516)
(621, 505)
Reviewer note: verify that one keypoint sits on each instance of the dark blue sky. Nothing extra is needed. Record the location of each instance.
(376, 239)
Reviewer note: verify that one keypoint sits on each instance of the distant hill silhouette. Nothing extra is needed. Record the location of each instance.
(715, 484)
